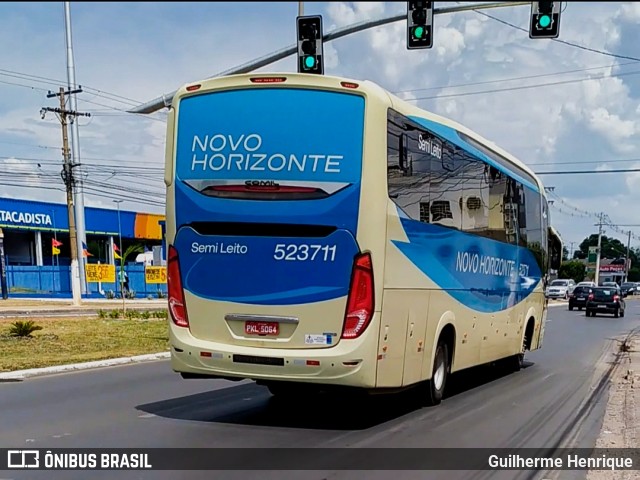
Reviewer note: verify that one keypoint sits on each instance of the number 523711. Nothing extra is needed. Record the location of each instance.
(304, 252)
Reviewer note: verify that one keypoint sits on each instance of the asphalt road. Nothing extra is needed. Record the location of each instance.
(147, 405)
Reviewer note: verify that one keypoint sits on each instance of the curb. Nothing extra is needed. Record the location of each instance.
(71, 312)
(19, 375)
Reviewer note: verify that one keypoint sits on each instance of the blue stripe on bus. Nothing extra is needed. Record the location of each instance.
(483, 274)
(266, 270)
(452, 136)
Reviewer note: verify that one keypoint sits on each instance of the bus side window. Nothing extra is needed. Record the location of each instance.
(407, 168)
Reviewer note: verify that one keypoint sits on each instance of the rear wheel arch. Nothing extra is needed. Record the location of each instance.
(529, 330)
(446, 326)
(441, 362)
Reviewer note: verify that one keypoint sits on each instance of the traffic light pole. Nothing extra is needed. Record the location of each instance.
(165, 100)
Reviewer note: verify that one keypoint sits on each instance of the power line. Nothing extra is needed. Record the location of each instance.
(571, 44)
(569, 172)
(52, 81)
(524, 87)
(510, 79)
(586, 162)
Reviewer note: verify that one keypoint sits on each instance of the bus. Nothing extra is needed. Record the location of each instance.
(323, 233)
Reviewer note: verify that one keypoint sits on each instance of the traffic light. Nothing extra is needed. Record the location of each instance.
(419, 25)
(310, 58)
(545, 20)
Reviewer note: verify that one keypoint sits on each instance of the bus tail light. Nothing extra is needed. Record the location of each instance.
(177, 308)
(360, 302)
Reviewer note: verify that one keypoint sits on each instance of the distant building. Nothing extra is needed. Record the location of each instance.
(611, 270)
(32, 228)
(37, 247)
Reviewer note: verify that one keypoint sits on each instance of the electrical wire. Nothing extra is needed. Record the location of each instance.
(570, 172)
(524, 87)
(557, 40)
(511, 79)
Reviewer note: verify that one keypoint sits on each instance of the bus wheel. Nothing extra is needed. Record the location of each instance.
(518, 360)
(439, 375)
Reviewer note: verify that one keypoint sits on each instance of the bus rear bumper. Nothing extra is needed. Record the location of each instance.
(349, 363)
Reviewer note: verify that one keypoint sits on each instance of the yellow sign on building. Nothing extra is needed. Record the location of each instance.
(155, 274)
(100, 273)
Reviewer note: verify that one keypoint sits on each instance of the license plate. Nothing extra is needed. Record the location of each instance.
(602, 306)
(580, 298)
(261, 328)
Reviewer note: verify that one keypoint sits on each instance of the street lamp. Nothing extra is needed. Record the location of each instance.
(121, 274)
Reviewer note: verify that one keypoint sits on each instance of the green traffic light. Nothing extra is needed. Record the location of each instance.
(309, 62)
(545, 21)
(418, 32)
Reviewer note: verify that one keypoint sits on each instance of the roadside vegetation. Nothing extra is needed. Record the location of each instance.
(43, 342)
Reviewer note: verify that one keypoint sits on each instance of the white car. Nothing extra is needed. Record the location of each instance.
(560, 288)
(586, 284)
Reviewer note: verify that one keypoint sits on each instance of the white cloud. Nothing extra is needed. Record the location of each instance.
(630, 12)
(450, 44)
(613, 128)
(346, 13)
(331, 56)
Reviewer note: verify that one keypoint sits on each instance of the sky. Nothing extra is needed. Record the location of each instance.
(556, 106)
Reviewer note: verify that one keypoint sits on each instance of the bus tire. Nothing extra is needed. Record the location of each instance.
(439, 374)
(517, 361)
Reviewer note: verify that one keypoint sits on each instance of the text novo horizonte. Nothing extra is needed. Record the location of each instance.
(487, 265)
(243, 153)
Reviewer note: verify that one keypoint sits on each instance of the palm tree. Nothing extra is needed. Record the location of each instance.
(136, 248)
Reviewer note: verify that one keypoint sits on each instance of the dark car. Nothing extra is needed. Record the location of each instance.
(605, 300)
(628, 288)
(578, 298)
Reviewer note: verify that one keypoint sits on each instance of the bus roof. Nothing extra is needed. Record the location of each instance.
(365, 87)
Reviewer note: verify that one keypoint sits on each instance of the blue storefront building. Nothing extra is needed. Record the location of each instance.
(37, 254)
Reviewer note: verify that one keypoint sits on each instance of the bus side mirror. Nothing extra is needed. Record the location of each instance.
(555, 251)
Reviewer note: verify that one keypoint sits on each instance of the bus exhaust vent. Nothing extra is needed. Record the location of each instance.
(258, 360)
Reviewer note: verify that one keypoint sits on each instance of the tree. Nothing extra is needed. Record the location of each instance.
(565, 253)
(574, 269)
(610, 248)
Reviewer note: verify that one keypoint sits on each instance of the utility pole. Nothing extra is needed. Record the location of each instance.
(626, 258)
(571, 250)
(300, 9)
(75, 148)
(600, 224)
(67, 177)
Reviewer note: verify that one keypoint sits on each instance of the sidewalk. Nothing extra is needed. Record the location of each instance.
(620, 427)
(21, 307)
